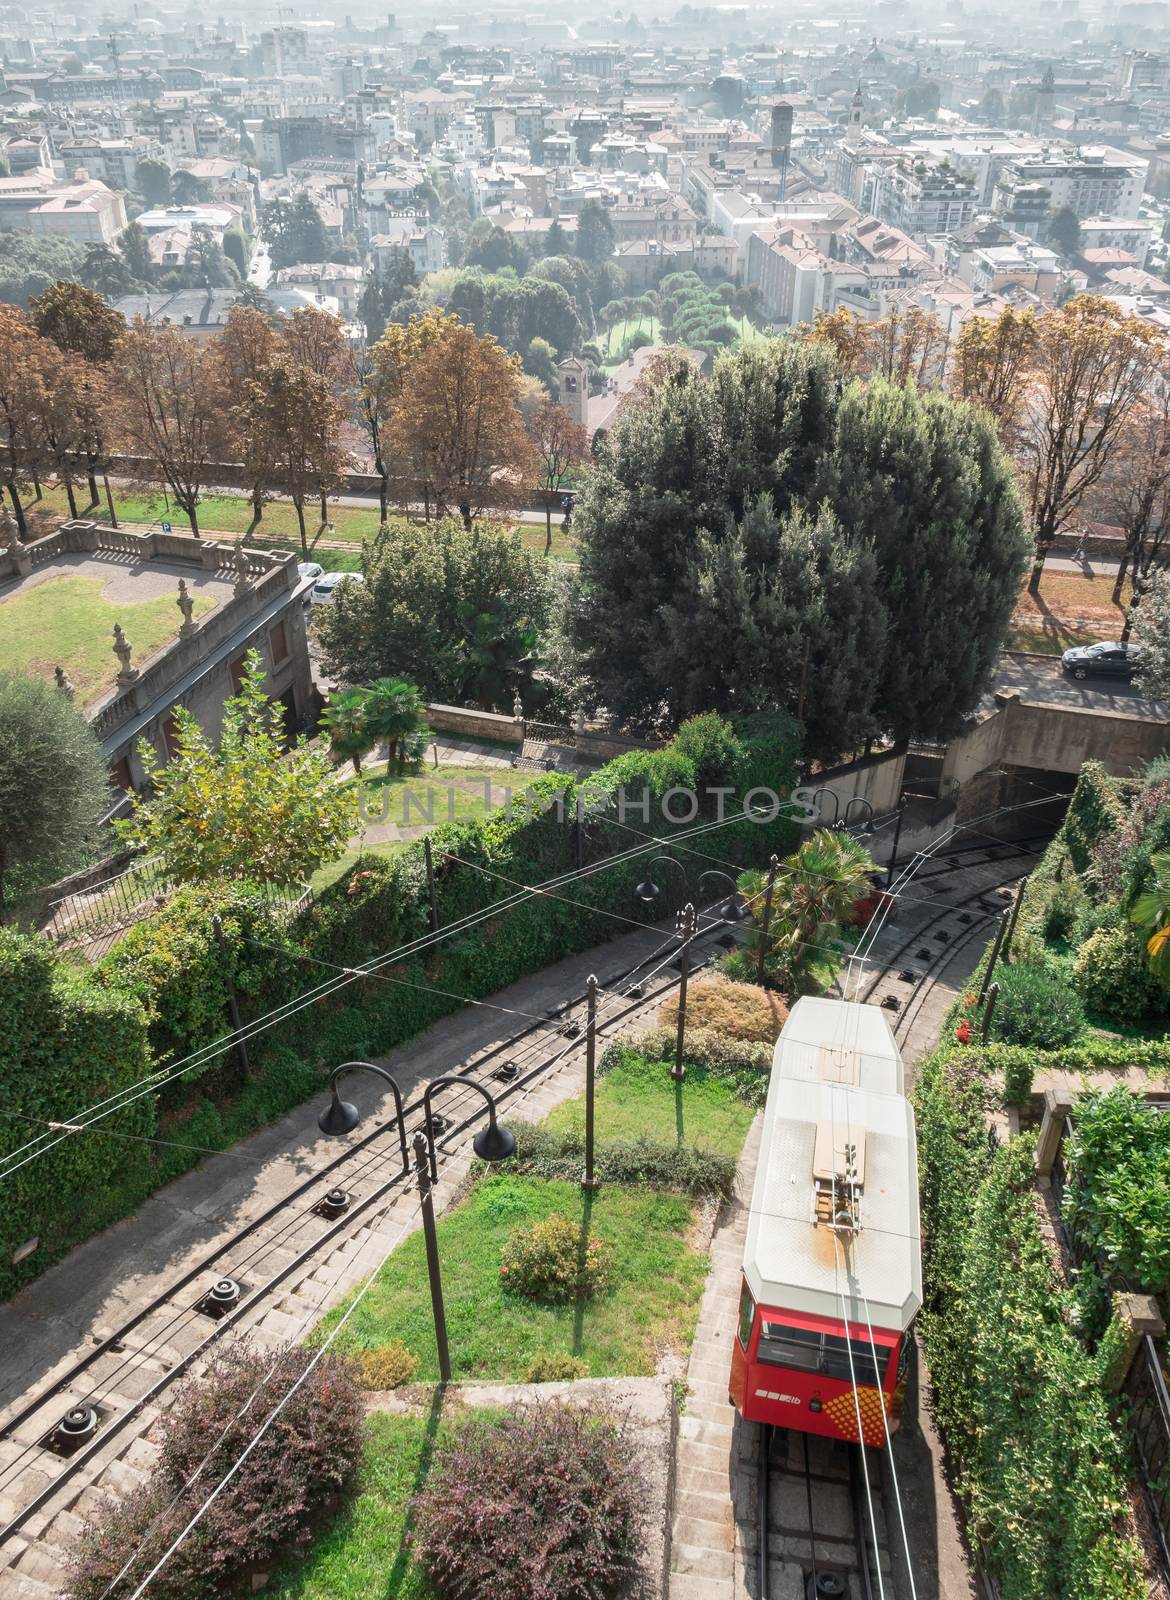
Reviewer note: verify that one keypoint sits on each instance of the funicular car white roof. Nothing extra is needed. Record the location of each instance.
(836, 1082)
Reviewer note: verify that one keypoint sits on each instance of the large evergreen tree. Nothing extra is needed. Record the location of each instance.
(768, 540)
(923, 479)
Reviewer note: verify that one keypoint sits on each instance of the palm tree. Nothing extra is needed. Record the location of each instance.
(349, 730)
(815, 896)
(1151, 913)
(394, 711)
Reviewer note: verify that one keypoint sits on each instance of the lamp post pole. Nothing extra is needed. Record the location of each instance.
(422, 1167)
(678, 1072)
(772, 866)
(233, 1003)
(493, 1143)
(894, 850)
(431, 883)
(995, 949)
(590, 1181)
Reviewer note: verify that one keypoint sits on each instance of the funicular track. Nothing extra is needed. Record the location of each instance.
(123, 1379)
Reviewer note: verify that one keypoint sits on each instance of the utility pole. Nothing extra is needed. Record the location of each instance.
(995, 949)
(233, 1003)
(773, 865)
(431, 883)
(897, 835)
(590, 1181)
(1011, 927)
(687, 931)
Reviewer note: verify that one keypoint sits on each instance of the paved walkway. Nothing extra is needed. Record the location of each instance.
(706, 1552)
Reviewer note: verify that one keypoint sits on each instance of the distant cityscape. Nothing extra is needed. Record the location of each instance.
(958, 164)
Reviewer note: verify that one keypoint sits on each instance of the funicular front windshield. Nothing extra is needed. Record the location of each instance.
(810, 1350)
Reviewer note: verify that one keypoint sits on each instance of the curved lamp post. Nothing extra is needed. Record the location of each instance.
(342, 1116)
(648, 891)
(860, 800)
(733, 908)
(494, 1143)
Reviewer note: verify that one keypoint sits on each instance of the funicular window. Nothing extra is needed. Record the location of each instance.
(747, 1311)
(809, 1350)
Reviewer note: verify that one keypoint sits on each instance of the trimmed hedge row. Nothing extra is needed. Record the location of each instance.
(68, 1040)
(1019, 1399)
(560, 1153)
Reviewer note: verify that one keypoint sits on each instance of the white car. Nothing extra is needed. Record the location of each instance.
(326, 585)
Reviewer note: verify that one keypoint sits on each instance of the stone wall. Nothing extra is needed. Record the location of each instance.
(476, 724)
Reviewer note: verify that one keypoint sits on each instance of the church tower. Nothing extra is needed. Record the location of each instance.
(1045, 103)
(855, 109)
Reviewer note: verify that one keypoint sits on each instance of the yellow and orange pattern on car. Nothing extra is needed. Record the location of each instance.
(843, 1410)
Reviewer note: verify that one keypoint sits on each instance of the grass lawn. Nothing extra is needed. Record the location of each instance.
(617, 335)
(66, 621)
(361, 1555)
(1071, 609)
(414, 804)
(231, 515)
(653, 1304)
(639, 1097)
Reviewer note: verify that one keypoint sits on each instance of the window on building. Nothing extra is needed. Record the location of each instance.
(278, 643)
(120, 775)
(238, 669)
(171, 736)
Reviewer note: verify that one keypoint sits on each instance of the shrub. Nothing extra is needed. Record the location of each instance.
(568, 1508)
(744, 1063)
(1094, 811)
(549, 1366)
(712, 746)
(551, 1261)
(1113, 979)
(306, 1459)
(387, 1366)
(1037, 1006)
(65, 1043)
(1119, 1171)
(560, 1153)
(734, 1010)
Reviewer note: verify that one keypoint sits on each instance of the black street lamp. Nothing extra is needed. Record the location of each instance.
(860, 800)
(342, 1116)
(733, 908)
(494, 1143)
(648, 891)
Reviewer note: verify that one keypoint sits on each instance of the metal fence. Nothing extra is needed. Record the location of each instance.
(1148, 1414)
(91, 920)
(113, 905)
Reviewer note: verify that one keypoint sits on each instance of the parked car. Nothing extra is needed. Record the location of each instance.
(326, 585)
(1102, 660)
(309, 569)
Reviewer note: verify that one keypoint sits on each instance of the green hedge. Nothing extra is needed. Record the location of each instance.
(163, 986)
(1096, 808)
(1018, 1397)
(560, 1153)
(744, 1063)
(63, 1044)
